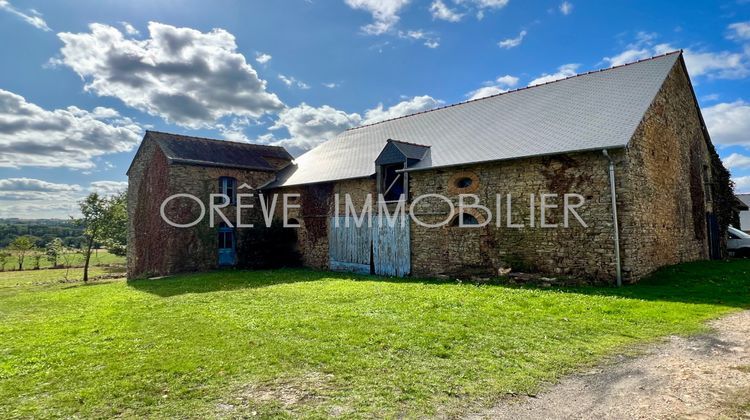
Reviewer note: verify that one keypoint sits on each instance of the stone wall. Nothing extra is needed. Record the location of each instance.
(465, 251)
(156, 248)
(148, 164)
(662, 199)
(317, 207)
(574, 251)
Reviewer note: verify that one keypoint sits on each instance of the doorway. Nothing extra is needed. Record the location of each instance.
(227, 246)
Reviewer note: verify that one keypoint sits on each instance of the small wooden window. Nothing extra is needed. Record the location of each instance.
(228, 187)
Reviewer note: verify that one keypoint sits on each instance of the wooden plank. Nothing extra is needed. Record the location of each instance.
(391, 252)
(349, 245)
(349, 267)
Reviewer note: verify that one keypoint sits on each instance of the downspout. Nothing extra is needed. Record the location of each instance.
(613, 194)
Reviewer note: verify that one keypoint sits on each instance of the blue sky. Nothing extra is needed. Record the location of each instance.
(82, 80)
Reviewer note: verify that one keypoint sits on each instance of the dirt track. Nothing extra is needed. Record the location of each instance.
(706, 376)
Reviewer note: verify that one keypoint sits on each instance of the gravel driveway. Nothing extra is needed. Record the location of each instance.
(705, 376)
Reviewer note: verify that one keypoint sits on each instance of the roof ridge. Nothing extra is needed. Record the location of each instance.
(517, 90)
(216, 140)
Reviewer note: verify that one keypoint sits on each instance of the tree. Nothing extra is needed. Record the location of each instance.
(4, 257)
(68, 256)
(22, 245)
(36, 256)
(53, 251)
(102, 221)
(115, 237)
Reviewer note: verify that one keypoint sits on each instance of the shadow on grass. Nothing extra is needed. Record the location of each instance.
(227, 280)
(705, 282)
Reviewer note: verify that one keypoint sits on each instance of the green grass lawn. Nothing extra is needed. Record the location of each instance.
(98, 258)
(305, 343)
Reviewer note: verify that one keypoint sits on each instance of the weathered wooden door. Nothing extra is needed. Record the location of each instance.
(382, 248)
(391, 255)
(349, 245)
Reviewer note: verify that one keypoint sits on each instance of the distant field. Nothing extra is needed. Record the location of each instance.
(300, 343)
(12, 279)
(98, 258)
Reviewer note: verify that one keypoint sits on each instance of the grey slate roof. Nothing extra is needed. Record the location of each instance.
(189, 150)
(591, 111)
(744, 199)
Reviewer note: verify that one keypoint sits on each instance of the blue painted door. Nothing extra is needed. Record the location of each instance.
(227, 247)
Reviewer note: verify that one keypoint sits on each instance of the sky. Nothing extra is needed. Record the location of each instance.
(82, 80)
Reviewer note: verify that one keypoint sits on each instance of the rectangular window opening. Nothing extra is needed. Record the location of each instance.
(392, 184)
(228, 187)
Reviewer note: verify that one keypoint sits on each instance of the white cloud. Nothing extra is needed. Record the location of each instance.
(739, 31)
(485, 91)
(309, 126)
(35, 198)
(431, 44)
(737, 161)
(741, 184)
(507, 80)
(384, 13)
(710, 97)
(491, 4)
(236, 129)
(410, 106)
(35, 185)
(71, 137)
(628, 56)
(484, 4)
(721, 65)
(32, 17)
(39, 208)
(331, 85)
(478, 7)
(512, 42)
(129, 29)
(718, 64)
(290, 81)
(429, 39)
(108, 187)
(566, 70)
(499, 85)
(440, 11)
(185, 76)
(263, 58)
(729, 123)
(566, 8)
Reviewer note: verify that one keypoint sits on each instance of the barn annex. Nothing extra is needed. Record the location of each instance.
(630, 140)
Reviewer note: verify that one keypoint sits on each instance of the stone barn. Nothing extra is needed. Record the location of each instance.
(627, 145)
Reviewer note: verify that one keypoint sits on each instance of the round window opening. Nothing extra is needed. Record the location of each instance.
(464, 182)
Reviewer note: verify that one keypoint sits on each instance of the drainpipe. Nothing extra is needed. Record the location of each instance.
(616, 228)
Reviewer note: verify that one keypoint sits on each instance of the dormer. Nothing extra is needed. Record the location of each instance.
(390, 164)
